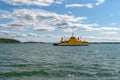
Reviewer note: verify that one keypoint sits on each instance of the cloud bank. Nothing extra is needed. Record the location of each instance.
(40, 20)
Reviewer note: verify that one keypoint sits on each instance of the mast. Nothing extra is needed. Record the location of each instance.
(72, 34)
(61, 38)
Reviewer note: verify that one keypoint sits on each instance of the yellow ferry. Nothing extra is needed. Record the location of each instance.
(73, 41)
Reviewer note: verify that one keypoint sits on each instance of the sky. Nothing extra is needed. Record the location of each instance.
(49, 20)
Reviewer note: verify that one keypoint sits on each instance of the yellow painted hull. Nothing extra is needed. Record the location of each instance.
(57, 44)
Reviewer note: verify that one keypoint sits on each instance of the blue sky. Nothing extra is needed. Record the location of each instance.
(48, 20)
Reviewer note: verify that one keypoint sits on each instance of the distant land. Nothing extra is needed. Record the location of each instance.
(104, 42)
(35, 42)
(89, 42)
(4, 40)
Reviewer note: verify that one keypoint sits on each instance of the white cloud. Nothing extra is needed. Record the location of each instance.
(113, 24)
(80, 5)
(88, 5)
(58, 1)
(103, 29)
(110, 28)
(44, 29)
(70, 27)
(3, 12)
(42, 38)
(102, 39)
(100, 2)
(29, 2)
(10, 34)
(33, 2)
(33, 35)
(108, 33)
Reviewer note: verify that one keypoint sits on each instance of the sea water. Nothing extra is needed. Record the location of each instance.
(37, 61)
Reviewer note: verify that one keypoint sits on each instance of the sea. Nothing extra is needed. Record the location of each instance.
(36, 61)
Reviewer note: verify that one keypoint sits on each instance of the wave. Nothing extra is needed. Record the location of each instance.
(66, 73)
(56, 73)
(104, 74)
(21, 65)
(24, 73)
(25, 65)
(59, 73)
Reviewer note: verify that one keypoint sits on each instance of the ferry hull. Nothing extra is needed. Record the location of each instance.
(56, 44)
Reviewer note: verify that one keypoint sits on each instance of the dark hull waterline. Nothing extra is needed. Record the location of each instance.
(56, 44)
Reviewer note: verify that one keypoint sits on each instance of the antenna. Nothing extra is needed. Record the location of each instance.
(64, 37)
(72, 34)
(80, 38)
(61, 38)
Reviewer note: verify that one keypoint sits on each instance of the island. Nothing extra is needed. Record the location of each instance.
(4, 40)
(36, 42)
